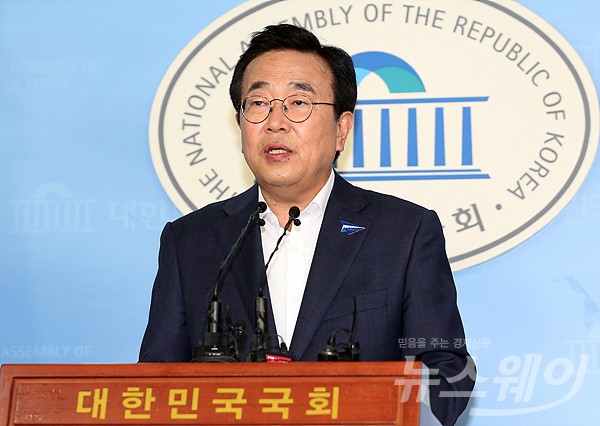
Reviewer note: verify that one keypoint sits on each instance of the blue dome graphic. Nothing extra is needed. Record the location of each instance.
(398, 76)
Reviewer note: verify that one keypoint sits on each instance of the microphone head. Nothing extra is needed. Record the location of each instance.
(261, 207)
(294, 212)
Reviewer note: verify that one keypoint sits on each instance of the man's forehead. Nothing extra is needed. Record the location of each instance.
(288, 69)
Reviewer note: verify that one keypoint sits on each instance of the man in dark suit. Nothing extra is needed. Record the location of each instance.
(359, 260)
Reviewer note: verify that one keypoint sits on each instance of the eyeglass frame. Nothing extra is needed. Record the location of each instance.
(312, 104)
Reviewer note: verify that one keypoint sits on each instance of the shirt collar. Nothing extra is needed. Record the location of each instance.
(316, 206)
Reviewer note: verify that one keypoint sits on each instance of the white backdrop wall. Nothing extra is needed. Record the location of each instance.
(77, 81)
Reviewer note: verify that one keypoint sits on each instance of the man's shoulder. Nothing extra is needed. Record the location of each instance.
(392, 200)
(377, 200)
(216, 211)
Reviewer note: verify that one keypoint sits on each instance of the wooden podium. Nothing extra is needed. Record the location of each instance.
(311, 393)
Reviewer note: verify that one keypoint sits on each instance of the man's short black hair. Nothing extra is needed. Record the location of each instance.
(289, 37)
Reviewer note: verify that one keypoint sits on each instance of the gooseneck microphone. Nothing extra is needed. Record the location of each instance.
(258, 353)
(214, 349)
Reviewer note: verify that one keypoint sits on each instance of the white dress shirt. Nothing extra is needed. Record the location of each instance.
(289, 268)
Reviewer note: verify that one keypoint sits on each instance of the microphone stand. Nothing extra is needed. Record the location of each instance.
(258, 353)
(213, 349)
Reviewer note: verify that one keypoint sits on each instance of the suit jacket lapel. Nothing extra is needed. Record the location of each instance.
(334, 254)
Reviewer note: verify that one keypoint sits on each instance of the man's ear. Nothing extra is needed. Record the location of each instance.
(344, 126)
(237, 120)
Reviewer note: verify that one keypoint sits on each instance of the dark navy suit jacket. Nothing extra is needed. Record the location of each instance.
(392, 278)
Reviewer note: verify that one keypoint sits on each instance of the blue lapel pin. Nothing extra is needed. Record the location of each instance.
(350, 228)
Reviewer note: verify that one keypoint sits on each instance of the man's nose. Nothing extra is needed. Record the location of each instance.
(277, 120)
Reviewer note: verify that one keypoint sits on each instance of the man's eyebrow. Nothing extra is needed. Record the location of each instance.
(305, 87)
(257, 85)
(299, 85)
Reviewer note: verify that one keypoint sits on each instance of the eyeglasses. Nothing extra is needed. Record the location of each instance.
(297, 108)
